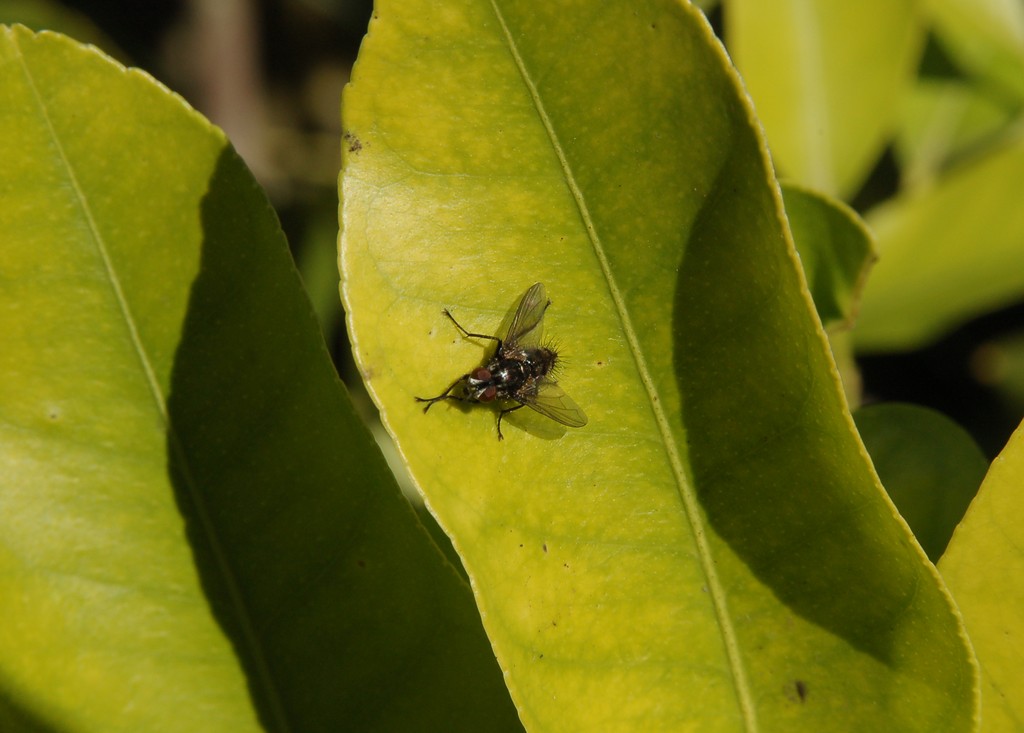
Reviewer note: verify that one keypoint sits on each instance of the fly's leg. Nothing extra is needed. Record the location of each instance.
(444, 395)
(467, 333)
(502, 414)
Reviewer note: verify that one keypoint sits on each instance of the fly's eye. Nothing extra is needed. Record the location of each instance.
(490, 393)
(480, 374)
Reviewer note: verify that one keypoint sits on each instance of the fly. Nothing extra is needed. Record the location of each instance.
(519, 371)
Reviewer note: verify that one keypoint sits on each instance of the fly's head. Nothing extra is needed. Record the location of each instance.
(481, 385)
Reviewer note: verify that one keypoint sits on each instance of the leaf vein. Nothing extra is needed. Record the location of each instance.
(690, 503)
(228, 575)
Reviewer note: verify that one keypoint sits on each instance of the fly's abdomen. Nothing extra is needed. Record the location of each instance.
(539, 362)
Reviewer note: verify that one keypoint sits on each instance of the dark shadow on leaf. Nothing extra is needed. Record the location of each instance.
(339, 607)
(752, 411)
(15, 717)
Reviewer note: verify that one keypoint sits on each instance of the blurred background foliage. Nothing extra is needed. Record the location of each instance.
(270, 73)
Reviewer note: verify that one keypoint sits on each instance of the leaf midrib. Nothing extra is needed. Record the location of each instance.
(688, 497)
(275, 706)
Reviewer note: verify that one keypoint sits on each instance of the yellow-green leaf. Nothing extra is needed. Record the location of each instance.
(827, 79)
(940, 120)
(984, 568)
(196, 533)
(712, 550)
(986, 37)
(947, 253)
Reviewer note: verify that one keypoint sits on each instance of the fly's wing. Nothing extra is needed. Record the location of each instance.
(527, 323)
(550, 400)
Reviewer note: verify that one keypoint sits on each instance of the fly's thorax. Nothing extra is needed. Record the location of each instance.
(507, 376)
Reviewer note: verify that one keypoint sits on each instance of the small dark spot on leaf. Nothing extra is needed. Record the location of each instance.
(545, 546)
(565, 565)
(354, 144)
(554, 623)
(361, 563)
(796, 691)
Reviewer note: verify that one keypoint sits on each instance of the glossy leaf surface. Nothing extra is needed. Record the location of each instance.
(947, 253)
(712, 551)
(984, 567)
(827, 79)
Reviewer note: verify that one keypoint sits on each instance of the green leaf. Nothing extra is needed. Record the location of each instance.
(947, 253)
(827, 79)
(196, 532)
(836, 251)
(929, 465)
(984, 569)
(986, 37)
(712, 551)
